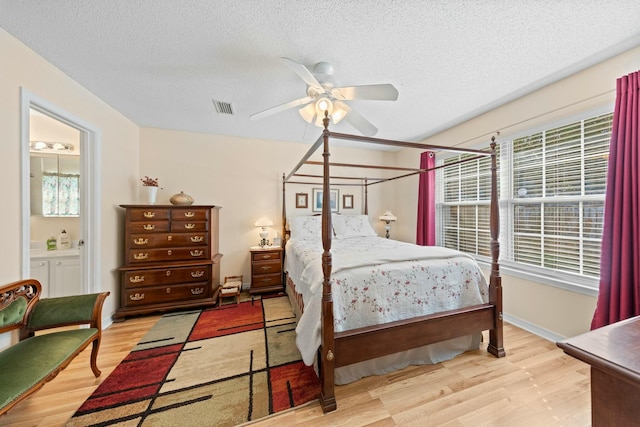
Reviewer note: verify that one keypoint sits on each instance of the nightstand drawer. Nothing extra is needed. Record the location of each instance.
(268, 267)
(265, 256)
(266, 280)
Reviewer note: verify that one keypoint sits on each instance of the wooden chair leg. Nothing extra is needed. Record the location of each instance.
(94, 357)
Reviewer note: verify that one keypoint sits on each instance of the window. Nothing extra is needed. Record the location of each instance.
(551, 200)
(465, 204)
(60, 194)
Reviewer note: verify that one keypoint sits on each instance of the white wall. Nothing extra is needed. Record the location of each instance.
(545, 309)
(23, 68)
(244, 177)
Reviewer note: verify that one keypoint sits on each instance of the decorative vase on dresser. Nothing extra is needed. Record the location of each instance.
(171, 259)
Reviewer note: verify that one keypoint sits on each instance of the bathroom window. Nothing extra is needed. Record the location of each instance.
(60, 194)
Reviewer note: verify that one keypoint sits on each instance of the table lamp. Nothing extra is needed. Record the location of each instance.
(388, 218)
(263, 223)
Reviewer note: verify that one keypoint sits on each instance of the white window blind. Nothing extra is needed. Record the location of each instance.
(465, 205)
(552, 189)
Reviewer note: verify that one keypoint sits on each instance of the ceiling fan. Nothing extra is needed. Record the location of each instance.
(323, 95)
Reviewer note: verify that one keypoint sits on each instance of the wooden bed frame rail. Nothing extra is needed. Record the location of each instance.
(344, 348)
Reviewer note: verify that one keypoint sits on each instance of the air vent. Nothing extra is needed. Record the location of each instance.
(223, 107)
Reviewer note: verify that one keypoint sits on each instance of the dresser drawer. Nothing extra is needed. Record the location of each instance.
(165, 276)
(165, 240)
(190, 215)
(265, 256)
(148, 214)
(165, 294)
(149, 227)
(268, 267)
(188, 226)
(140, 256)
(266, 280)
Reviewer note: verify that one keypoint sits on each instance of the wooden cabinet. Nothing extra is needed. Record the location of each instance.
(266, 269)
(59, 276)
(612, 351)
(171, 259)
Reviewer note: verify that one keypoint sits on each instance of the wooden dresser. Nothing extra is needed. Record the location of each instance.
(171, 259)
(612, 351)
(266, 269)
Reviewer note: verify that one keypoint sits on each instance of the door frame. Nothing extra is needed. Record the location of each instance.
(90, 142)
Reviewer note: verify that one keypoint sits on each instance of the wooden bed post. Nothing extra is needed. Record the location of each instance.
(495, 346)
(327, 350)
(284, 210)
(366, 197)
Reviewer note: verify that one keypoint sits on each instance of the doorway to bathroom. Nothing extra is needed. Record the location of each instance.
(60, 193)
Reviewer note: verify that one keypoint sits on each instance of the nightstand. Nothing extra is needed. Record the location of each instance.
(266, 269)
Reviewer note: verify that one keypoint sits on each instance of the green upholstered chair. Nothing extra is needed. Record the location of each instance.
(37, 358)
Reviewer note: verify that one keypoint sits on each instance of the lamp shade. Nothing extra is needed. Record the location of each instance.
(263, 222)
(388, 216)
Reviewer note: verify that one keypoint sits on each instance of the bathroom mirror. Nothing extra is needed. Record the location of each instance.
(54, 184)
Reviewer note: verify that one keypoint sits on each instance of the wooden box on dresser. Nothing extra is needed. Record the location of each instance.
(171, 259)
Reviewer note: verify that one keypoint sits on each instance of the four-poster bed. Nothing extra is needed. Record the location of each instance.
(352, 346)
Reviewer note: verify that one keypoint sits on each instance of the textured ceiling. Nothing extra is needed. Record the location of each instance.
(161, 63)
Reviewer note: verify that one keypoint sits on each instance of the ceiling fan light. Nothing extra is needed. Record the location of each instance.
(322, 105)
(340, 109)
(308, 112)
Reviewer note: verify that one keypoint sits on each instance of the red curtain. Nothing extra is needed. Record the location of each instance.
(426, 229)
(619, 296)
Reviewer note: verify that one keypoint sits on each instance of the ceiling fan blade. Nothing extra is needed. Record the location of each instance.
(282, 107)
(356, 120)
(383, 92)
(303, 72)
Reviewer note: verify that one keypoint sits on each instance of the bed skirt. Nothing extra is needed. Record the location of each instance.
(425, 355)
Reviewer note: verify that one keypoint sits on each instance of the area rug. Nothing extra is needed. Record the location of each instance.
(216, 367)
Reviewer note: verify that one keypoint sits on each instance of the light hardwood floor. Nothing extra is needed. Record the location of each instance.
(535, 385)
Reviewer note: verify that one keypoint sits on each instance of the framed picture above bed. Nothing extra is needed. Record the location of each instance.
(347, 201)
(301, 200)
(317, 200)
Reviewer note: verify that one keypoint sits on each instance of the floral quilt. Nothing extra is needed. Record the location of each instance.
(376, 280)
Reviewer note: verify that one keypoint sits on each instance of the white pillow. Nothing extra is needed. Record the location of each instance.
(345, 226)
(306, 227)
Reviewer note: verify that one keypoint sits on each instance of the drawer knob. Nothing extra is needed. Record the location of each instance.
(168, 273)
(141, 241)
(196, 239)
(197, 273)
(197, 291)
(189, 214)
(169, 238)
(149, 227)
(266, 256)
(140, 256)
(168, 290)
(189, 226)
(136, 297)
(149, 214)
(196, 253)
(266, 267)
(136, 279)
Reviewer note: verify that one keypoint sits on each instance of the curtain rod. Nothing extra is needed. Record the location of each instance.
(536, 117)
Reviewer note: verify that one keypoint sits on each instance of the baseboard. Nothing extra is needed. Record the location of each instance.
(533, 328)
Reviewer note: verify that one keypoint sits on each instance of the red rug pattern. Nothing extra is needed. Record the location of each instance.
(221, 367)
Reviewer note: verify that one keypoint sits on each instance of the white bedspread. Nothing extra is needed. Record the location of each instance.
(376, 280)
